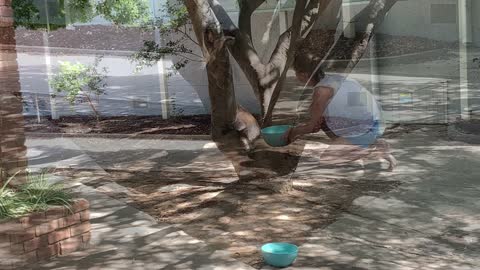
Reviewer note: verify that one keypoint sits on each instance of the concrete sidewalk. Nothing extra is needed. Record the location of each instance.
(125, 238)
(122, 236)
(430, 222)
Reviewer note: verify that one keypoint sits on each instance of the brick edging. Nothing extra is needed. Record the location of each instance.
(43, 235)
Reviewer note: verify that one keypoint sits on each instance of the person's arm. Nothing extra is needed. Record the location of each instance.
(321, 97)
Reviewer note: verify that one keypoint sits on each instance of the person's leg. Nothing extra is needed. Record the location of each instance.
(344, 150)
(381, 149)
(340, 150)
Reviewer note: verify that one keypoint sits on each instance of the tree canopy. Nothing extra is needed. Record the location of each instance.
(36, 14)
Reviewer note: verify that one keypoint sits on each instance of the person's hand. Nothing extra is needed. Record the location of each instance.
(286, 137)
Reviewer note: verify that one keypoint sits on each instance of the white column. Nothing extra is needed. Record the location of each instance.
(37, 107)
(48, 64)
(162, 72)
(283, 21)
(68, 18)
(163, 80)
(347, 15)
(465, 20)
(465, 38)
(374, 76)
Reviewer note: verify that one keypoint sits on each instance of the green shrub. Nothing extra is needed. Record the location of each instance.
(35, 195)
(77, 80)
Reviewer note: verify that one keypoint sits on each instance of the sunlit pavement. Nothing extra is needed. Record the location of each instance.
(431, 221)
(122, 236)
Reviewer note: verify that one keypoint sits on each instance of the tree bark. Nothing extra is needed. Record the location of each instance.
(12, 137)
(233, 128)
(367, 21)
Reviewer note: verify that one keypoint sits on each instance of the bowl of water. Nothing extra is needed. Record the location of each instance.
(279, 254)
(273, 135)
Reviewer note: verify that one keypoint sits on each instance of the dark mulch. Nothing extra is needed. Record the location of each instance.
(319, 42)
(469, 127)
(184, 125)
(104, 37)
(94, 37)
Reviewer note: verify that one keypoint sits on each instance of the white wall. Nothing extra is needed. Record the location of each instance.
(413, 17)
(476, 22)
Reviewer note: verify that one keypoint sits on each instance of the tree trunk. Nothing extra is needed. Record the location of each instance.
(12, 137)
(233, 128)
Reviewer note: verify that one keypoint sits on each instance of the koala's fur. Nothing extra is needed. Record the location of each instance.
(248, 127)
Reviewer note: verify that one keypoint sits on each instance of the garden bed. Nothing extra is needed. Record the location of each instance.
(112, 38)
(40, 220)
(184, 125)
(43, 235)
(319, 42)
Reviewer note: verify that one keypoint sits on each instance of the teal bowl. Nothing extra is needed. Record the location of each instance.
(273, 135)
(279, 254)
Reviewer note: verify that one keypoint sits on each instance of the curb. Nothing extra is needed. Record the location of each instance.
(120, 136)
(41, 49)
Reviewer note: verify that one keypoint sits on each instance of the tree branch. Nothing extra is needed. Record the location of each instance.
(278, 58)
(304, 19)
(247, 7)
(367, 22)
(276, 68)
(242, 48)
(184, 32)
(210, 36)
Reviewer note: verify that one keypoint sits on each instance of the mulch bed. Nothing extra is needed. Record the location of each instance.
(469, 127)
(104, 37)
(94, 37)
(184, 125)
(319, 42)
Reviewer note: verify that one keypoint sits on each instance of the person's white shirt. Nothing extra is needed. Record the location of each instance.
(353, 110)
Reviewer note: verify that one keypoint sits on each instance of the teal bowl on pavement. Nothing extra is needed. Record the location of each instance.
(273, 135)
(279, 254)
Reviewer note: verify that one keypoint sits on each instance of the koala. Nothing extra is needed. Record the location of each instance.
(248, 127)
(215, 44)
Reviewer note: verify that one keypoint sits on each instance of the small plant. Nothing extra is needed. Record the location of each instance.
(78, 81)
(35, 195)
(8, 200)
(176, 112)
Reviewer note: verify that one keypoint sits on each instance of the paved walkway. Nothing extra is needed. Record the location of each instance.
(430, 222)
(125, 238)
(122, 236)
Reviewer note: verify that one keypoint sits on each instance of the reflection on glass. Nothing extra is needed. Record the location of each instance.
(242, 123)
